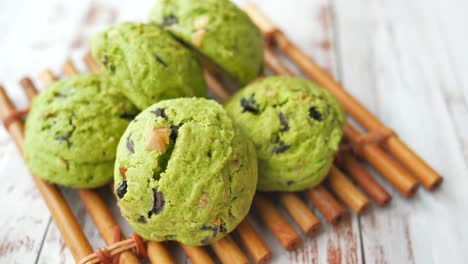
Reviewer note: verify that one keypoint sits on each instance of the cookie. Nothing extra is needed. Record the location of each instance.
(73, 129)
(147, 63)
(219, 30)
(183, 172)
(296, 127)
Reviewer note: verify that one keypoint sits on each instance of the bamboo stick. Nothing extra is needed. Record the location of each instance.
(29, 88)
(61, 213)
(16, 128)
(92, 65)
(94, 205)
(401, 179)
(157, 253)
(301, 214)
(69, 69)
(196, 254)
(428, 176)
(276, 222)
(104, 221)
(391, 170)
(326, 204)
(273, 63)
(343, 187)
(258, 251)
(222, 93)
(113, 250)
(228, 252)
(47, 77)
(363, 178)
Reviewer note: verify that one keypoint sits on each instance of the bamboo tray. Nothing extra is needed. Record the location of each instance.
(348, 185)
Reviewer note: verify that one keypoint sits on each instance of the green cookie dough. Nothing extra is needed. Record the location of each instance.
(219, 30)
(73, 129)
(296, 127)
(147, 63)
(183, 172)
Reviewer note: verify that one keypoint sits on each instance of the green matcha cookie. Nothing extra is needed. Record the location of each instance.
(183, 172)
(147, 63)
(296, 127)
(73, 129)
(219, 30)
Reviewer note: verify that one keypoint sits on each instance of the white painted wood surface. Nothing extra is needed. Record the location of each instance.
(405, 60)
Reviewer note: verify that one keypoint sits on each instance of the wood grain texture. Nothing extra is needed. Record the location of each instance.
(406, 61)
(394, 60)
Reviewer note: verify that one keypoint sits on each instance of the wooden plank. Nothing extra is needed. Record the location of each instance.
(28, 48)
(449, 22)
(393, 62)
(22, 234)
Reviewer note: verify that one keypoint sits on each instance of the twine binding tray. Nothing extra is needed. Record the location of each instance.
(349, 183)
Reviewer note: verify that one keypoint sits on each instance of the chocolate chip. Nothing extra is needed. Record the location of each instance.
(205, 228)
(105, 60)
(122, 189)
(128, 117)
(222, 228)
(158, 203)
(161, 61)
(315, 114)
(281, 148)
(170, 20)
(174, 132)
(284, 123)
(289, 183)
(64, 138)
(214, 229)
(249, 105)
(160, 112)
(112, 68)
(130, 145)
(142, 220)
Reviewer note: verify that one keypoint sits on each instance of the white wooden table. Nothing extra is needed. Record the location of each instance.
(407, 61)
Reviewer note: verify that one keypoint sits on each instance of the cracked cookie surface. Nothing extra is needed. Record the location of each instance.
(296, 127)
(147, 64)
(189, 175)
(219, 30)
(73, 129)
